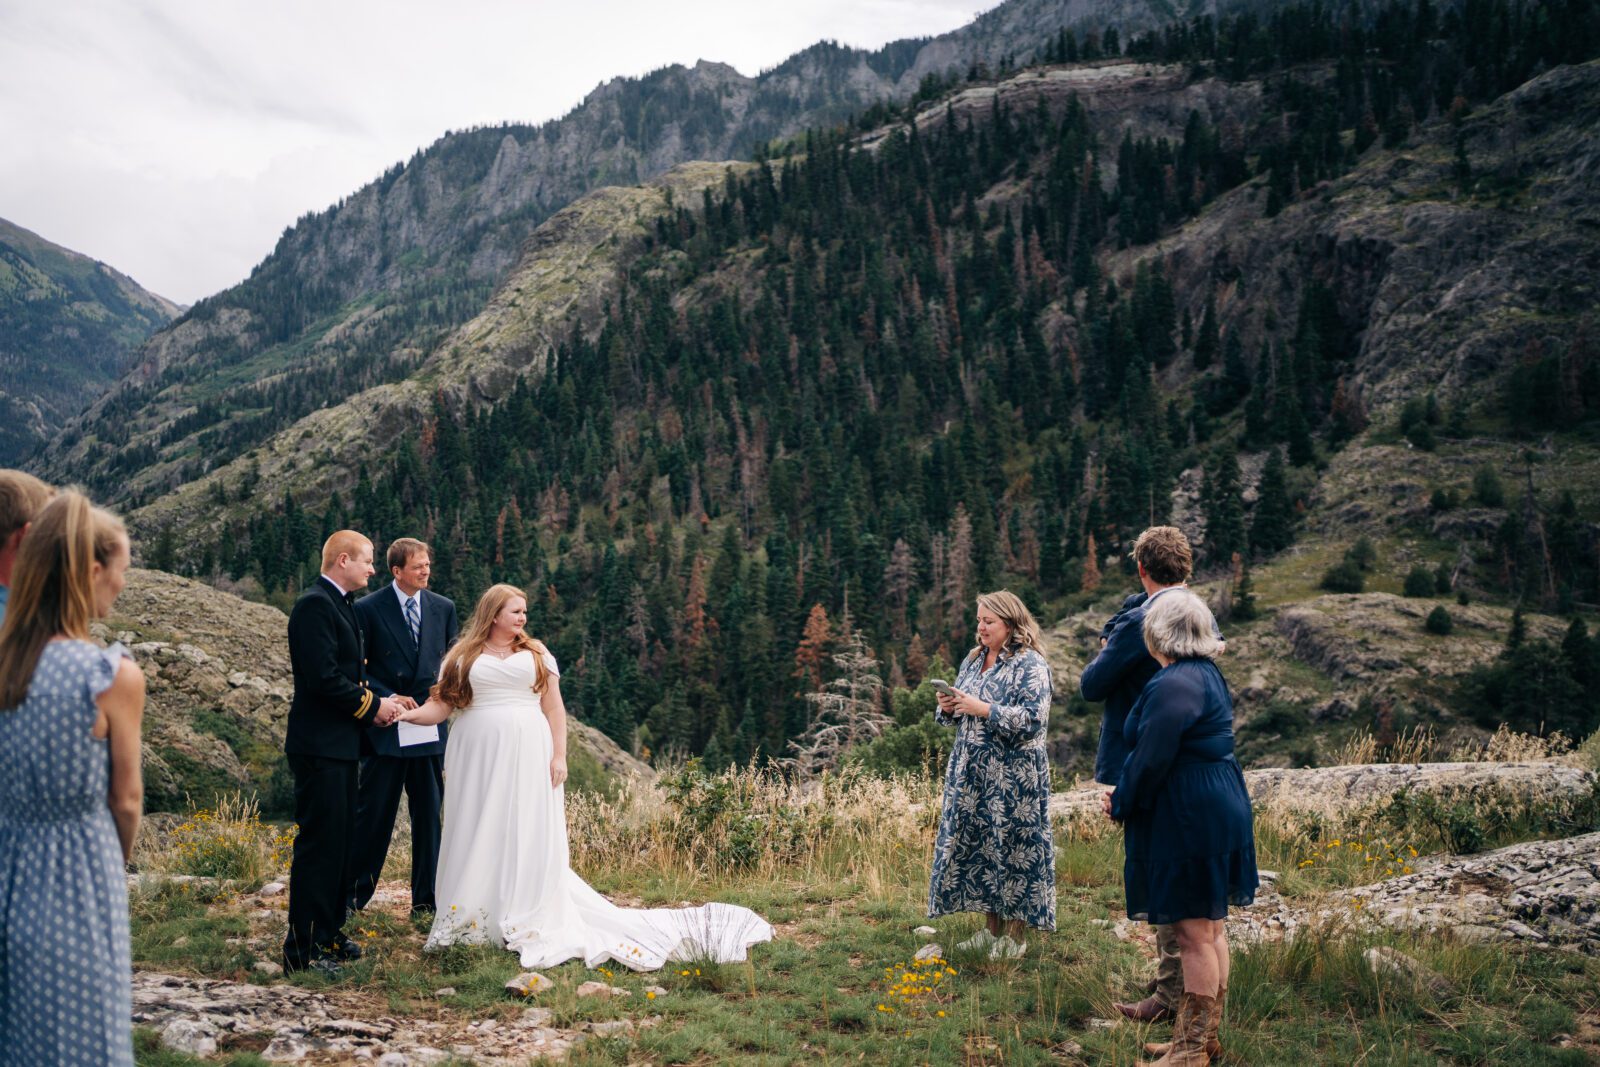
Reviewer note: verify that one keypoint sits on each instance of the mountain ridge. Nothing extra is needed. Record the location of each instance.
(68, 326)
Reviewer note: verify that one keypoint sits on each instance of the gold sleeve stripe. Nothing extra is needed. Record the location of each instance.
(366, 702)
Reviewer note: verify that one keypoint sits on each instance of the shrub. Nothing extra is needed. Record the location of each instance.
(1439, 621)
(1419, 583)
(1486, 488)
(1444, 500)
(1362, 553)
(229, 842)
(1441, 579)
(1344, 577)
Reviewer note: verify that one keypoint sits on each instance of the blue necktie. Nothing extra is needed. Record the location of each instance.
(411, 618)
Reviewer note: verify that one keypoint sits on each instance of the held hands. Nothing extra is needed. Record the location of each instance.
(558, 772)
(390, 709)
(1105, 805)
(959, 703)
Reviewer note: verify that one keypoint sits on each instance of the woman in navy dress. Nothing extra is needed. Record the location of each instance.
(993, 852)
(1189, 841)
(70, 793)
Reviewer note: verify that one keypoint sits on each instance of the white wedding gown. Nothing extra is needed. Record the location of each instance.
(503, 863)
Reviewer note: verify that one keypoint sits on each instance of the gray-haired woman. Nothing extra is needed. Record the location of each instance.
(1189, 843)
(993, 852)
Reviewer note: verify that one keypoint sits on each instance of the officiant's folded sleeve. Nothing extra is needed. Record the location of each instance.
(315, 643)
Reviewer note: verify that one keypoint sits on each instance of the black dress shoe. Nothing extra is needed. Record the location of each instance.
(343, 950)
(320, 964)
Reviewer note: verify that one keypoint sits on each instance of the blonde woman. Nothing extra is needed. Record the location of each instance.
(1189, 842)
(993, 852)
(70, 794)
(504, 873)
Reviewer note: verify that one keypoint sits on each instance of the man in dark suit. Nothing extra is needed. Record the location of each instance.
(1117, 676)
(407, 628)
(332, 707)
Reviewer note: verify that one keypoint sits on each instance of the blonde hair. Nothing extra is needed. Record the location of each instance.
(342, 543)
(1009, 608)
(454, 686)
(1178, 626)
(52, 590)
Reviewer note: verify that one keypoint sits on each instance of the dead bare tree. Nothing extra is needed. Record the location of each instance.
(844, 713)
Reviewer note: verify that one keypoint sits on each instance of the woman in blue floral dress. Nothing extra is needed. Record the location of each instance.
(994, 851)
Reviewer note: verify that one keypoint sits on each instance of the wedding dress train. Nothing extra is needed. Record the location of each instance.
(504, 876)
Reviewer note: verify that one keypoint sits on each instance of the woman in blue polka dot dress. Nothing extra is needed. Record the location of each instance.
(70, 794)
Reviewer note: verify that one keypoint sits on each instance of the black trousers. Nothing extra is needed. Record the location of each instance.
(325, 809)
(382, 779)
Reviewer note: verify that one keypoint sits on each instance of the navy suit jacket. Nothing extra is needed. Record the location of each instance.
(1117, 676)
(396, 665)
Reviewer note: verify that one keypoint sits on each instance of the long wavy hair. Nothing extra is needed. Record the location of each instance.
(1009, 609)
(52, 590)
(454, 686)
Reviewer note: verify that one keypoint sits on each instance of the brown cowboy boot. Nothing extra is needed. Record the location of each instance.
(1188, 1047)
(1213, 1026)
(1148, 1010)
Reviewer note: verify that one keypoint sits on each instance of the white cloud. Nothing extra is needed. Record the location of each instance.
(175, 139)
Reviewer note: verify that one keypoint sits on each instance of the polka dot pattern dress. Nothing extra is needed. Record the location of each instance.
(66, 985)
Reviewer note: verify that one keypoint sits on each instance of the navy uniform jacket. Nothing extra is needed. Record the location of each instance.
(396, 665)
(332, 705)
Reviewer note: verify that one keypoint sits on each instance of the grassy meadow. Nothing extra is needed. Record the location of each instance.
(841, 872)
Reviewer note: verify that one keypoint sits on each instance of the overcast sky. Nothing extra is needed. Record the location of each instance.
(176, 139)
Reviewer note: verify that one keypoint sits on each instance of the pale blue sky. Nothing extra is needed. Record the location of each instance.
(176, 139)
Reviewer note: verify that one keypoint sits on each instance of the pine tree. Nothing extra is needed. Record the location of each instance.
(1091, 566)
(1223, 505)
(812, 651)
(1205, 342)
(1272, 525)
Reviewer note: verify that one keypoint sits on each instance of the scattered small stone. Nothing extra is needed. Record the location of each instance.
(1101, 1024)
(613, 1028)
(529, 984)
(1385, 961)
(924, 931)
(272, 889)
(268, 968)
(536, 1017)
(600, 989)
(189, 1037)
(286, 1048)
(393, 1059)
(180, 942)
(448, 991)
(930, 952)
(658, 991)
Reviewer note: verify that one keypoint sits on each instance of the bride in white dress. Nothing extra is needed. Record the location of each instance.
(503, 875)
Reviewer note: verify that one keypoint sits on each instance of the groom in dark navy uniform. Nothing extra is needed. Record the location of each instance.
(332, 708)
(408, 628)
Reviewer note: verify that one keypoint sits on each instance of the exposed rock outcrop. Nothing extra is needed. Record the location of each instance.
(1336, 791)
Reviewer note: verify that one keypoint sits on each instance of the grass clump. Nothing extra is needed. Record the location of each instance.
(228, 841)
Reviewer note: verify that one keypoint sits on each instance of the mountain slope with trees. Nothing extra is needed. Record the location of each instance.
(357, 295)
(68, 326)
(774, 428)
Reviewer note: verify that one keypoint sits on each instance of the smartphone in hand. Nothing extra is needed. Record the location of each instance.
(942, 687)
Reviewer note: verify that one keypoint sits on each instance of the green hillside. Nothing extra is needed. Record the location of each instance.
(68, 325)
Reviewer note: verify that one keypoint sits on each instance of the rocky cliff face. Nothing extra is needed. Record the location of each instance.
(218, 683)
(68, 324)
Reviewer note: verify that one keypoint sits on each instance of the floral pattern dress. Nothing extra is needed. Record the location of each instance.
(994, 852)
